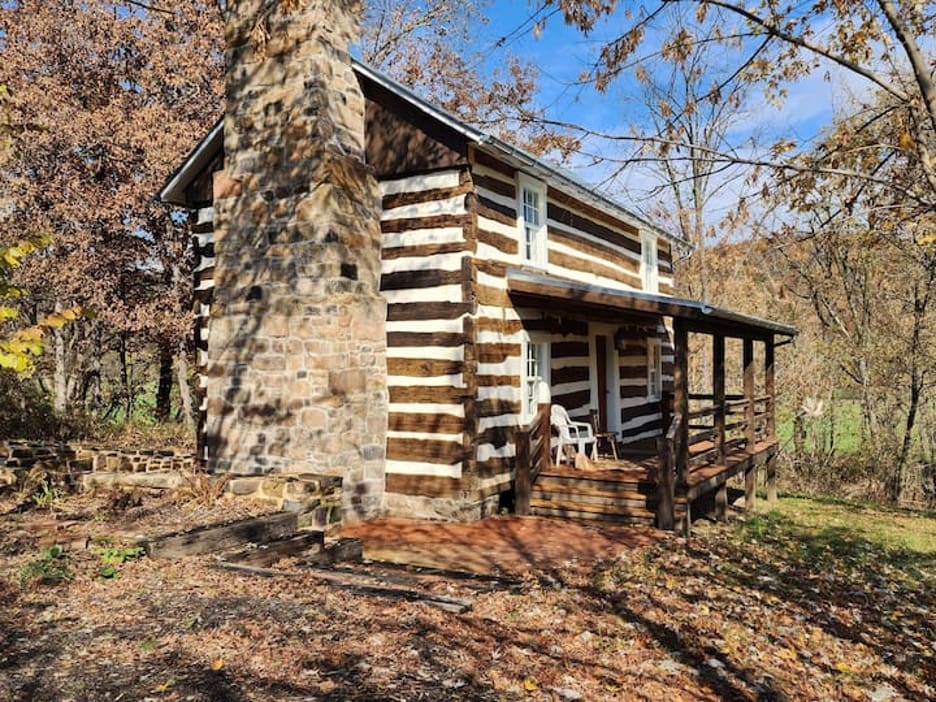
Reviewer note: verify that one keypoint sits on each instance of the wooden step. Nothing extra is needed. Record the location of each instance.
(584, 481)
(646, 518)
(590, 497)
(591, 507)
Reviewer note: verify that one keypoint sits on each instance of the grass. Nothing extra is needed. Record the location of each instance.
(890, 529)
(840, 424)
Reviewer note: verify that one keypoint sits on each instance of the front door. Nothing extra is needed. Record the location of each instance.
(601, 373)
(605, 377)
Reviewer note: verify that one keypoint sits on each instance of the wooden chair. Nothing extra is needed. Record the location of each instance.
(606, 438)
(578, 435)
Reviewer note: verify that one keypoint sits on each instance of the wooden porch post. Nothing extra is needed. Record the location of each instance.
(681, 398)
(523, 480)
(771, 390)
(750, 474)
(718, 393)
(545, 412)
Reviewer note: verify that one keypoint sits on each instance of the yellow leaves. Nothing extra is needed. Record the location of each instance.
(217, 664)
(905, 141)
(529, 684)
(165, 687)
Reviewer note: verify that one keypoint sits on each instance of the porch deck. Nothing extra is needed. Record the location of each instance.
(627, 490)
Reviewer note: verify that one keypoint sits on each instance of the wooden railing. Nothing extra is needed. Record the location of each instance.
(666, 484)
(533, 455)
(745, 423)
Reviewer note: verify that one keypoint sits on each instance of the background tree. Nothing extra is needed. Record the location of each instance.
(115, 92)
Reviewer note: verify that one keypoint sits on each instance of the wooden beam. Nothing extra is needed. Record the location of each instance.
(748, 369)
(681, 398)
(718, 393)
(770, 388)
(215, 538)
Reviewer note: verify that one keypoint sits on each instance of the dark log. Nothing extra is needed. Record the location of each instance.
(211, 539)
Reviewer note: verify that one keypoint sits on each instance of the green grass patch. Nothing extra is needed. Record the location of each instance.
(882, 527)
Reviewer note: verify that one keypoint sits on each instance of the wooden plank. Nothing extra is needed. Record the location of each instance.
(424, 311)
(573, 220)
(494, 381)
(368, 584)
(265, 555)
(497, 353)
(589, 211)
(424, 451)
(418, 251)
(718, 393)
(220, 537)
(446, 395)
(496, 211)
(579, 265)
(438, 339)
(523, 484)
(402, 199)
(484, 159)
(591, 248)
(748, 369)
(681, 399)
(496, 297)
(566, 349)
(406, 280)
(395, 226)
(495, 185)
(423, 367)
(502, 243)
(430, 423)
(770, 388)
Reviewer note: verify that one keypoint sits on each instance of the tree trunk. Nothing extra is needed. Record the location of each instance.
(126, 379)
(164, 388)
(60, 376)
(185, 390)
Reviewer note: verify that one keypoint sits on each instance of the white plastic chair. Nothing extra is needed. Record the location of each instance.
(576, 434)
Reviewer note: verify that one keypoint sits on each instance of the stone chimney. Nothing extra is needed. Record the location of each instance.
(297, 379)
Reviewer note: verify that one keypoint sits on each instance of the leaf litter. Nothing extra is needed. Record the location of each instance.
(762, 610)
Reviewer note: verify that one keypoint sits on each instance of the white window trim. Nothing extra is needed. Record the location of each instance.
(528, 409)
(649, 276)
(538, 257)
(654, 363)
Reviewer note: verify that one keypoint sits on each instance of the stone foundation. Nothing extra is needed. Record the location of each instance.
(444, 509)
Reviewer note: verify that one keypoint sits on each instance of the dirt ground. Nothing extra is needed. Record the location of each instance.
(575, 613)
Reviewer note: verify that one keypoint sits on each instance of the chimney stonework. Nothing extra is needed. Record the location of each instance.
(297, 378)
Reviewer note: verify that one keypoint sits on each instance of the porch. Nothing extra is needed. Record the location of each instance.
(704, 439)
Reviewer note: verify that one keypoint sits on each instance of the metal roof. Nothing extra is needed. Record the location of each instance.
(529, 283)
(174, 190)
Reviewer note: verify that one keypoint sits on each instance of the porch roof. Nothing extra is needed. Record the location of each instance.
(700, 316)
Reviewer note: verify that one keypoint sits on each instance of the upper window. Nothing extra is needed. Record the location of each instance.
(649, 263)
(654, 369)
(531, 210)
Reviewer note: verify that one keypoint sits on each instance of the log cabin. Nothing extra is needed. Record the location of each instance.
(509, 286)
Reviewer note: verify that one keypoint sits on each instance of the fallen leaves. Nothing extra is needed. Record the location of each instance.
(722, 616)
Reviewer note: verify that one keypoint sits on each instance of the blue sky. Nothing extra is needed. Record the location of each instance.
(562, 53)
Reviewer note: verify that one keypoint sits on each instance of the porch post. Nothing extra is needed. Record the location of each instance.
(750, 473)
(681, 397)
(718, 392)
(771, 391)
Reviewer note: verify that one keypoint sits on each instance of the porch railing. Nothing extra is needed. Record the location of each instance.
(666, 485)
(533, 455)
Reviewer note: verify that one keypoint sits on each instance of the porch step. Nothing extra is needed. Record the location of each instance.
(570, 511)
(587, 482)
